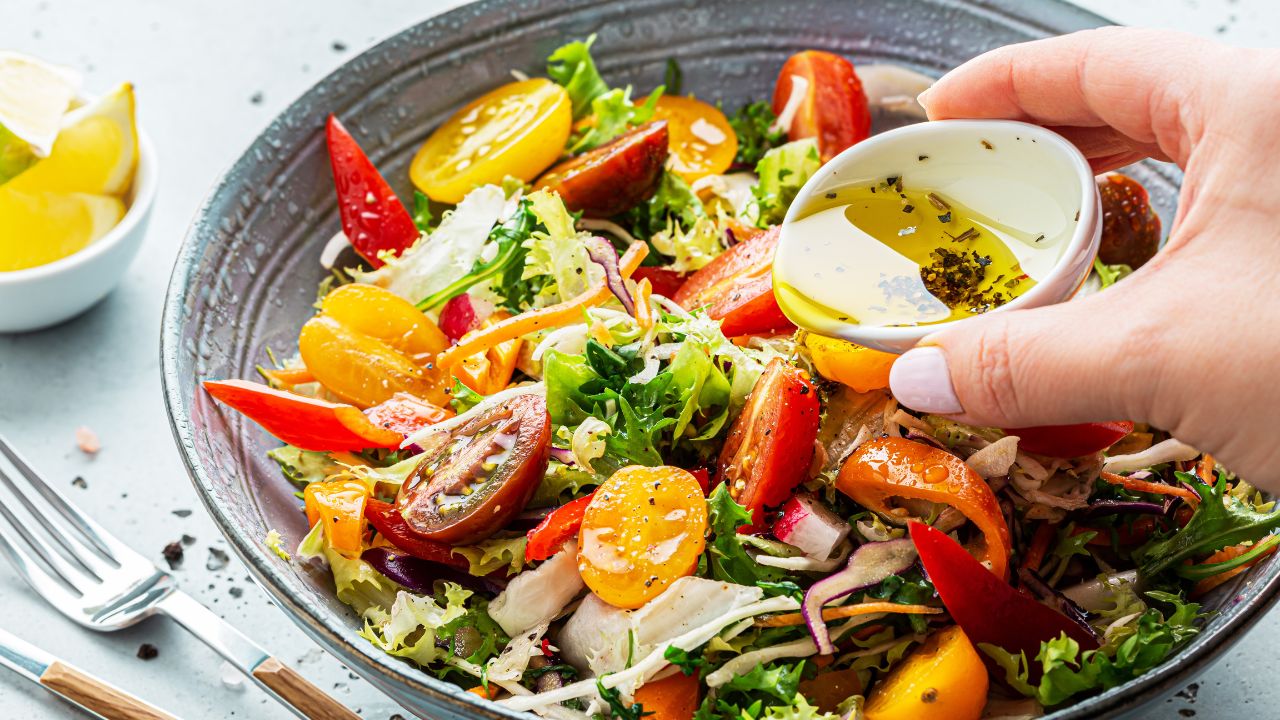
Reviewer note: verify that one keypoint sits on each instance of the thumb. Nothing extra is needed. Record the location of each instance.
(1080, 361)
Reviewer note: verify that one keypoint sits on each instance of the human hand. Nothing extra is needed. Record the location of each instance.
(1188, 342)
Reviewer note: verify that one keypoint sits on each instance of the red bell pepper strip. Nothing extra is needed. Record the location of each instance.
(1069, 441)
(665, 281)
(387, 521)
(303, 422)
(703, 476)
(987, 608)
(373, 218)
(561, 525)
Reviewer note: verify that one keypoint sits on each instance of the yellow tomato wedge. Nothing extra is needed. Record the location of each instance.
(861, 368)
(361, 369)
(490, 371)
(340, 506)
(701, 139)
(642, 531)
(943, 679)
(39, 228)
(518, 129)
(380, 313)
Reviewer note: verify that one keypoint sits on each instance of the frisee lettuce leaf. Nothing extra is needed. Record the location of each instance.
(753, 124)
(613, 113)
(493, 554)
(727, 558)
(783, 170)
(674, 202)
(766, 691)
(572, 67)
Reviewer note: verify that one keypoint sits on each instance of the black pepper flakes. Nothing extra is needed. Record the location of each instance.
(173, 554)
(147, 651)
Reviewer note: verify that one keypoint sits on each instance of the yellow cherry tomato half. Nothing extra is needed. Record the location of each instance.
(943, 679)
(861, 368)
(380, 313)
(340, 506)
(490, 371)
(518, 129)
(642, 531)
(701, 139)
(361, 369)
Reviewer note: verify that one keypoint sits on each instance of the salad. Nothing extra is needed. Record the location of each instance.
(557, 444)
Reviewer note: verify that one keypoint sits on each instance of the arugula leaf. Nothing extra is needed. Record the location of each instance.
(783, 170)
(909, 588)
(1219, 521)
(572, 67)
(491, 637)
(613, 113)
(781, 587)
(753, 124)
(688, 663)
(673, 78)
(505, 266)
(422, 215)
(727, 558)
(1065, 671)
(619, 710)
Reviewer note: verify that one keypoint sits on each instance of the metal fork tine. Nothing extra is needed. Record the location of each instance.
(77, 549)
(111, 548)
(77, 579)
(36, 576)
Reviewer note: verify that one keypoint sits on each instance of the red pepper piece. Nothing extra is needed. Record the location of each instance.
(303, 422)
(703, 476)
(1069, 441)
(665, 281)
(387, 521)
(373, 218)
(987, 608)
(562, 524)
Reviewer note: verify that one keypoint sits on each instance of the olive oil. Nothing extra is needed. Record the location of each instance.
(892, 255)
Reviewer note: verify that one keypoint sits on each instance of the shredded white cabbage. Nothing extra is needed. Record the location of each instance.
(537, 596)
(803, 647)
(1170, 450)
(995, 459)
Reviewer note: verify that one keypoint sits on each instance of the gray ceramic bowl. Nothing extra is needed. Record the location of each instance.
(246, 275)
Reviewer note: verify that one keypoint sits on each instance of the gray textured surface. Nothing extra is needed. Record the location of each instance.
(210, 77)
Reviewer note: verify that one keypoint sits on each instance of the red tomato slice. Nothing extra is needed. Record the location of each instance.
(373, 218)
(770, 445)
(665, 281)
(406, 414)
(387, 520)
(834, 108)
(737, 288)
(1069, 441)
(562, 524)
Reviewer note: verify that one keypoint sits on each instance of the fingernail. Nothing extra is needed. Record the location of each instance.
(920, 380)
(923, 98)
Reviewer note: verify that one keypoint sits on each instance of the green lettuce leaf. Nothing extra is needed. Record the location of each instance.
(572, 67)
(783, 170)
(692, 248)
(614, 113)
(727, 558)
(753, 124)
(1109, 275)
(303, 467)
(674, 202)
(493, 554)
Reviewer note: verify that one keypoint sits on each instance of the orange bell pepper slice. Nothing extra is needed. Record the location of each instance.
(861, 368)
(490, 371)
(340, 506)
(674, 697)
(891, 467)
(306, 423)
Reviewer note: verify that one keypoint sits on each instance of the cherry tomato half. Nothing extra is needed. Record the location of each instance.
(1069, 441)
(834, 107)
(482, 476)
(614, 177)
(737, 288)
(770, 445)
(642, 531)
(518, 129)
(406, 414)
(701, 138)
(1130, 228)
(361, 369)
(339, 504)
(861, 368)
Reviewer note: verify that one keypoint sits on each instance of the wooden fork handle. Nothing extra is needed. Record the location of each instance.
(299, 692)
(96, 695)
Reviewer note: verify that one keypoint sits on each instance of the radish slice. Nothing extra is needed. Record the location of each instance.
(462, 314)
(603, 253)
(870, 564)
(810, 526)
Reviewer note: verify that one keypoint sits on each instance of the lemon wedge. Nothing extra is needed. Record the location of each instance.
(96, 151)
(40, 228)
(33, 97)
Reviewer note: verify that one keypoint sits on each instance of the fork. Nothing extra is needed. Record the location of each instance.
(104, 585)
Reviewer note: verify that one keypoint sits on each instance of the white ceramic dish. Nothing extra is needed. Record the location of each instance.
(41, 296)
(1020, 175)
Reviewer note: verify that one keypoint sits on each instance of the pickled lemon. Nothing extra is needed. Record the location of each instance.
(518, 129)
(96, 151)
(39, 228)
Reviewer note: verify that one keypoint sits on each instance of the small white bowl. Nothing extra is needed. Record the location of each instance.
(981, 163)
(45, 295)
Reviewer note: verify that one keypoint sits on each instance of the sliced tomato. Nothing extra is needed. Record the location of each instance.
(387, 521)
(406, 414)
(702, 140)
(614, 177)
(339, 504)
(472, 483)
(737, 288)
(833, 107)
(665, 281)
(373, 218)
(304, 422)
(1069, 441)
(770, 446)
(555, 529)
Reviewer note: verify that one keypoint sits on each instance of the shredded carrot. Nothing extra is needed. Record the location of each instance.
(601, 334)
(644, 312)
(1231, 553)
(1136, 485)
(488, 693)
(1039, 546)
(534, 320)
(1205, 468)
(287, 377)
(844, 611)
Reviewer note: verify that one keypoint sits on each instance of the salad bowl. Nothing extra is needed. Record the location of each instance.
(247, 273)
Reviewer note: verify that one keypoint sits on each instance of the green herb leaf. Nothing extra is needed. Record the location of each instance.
(572, 67)
(619, 710)
(753, 124)
(688, 662)
(727, 557)
(674, 202)
(422, 215)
